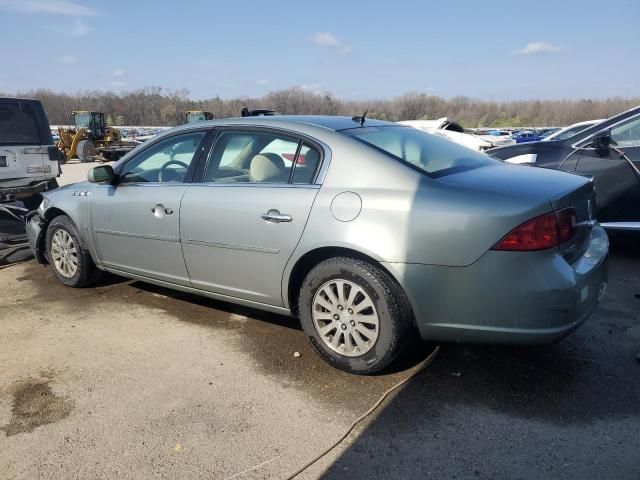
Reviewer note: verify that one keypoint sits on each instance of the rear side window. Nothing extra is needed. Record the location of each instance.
(260, 157)
(307, 165)
(431, 154)
(19, 123)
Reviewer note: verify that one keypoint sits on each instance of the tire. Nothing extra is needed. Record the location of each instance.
(86, 151)
(360, 282)
(62, 232)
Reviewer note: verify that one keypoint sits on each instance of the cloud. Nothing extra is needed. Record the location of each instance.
(328, 39)
(536, 48)
(68, 60)
(118, 80)
(57, 7)
(79, 29)
(263, 82)
(204, 63)
(315, 88)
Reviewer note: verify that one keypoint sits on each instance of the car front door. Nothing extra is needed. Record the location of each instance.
(136, 222)
(241, 222)
(617, 184)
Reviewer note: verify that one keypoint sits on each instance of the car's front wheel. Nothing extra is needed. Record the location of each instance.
(68, 255)
(354, 314)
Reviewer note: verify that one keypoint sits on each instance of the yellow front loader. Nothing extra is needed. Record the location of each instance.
(90, 139)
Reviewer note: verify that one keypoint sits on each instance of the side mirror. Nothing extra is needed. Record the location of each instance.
(601, 143)
(101, 174)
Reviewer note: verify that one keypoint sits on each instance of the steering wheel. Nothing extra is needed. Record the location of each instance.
(165, 173)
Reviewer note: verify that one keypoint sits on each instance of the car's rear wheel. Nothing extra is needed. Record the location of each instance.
(354, 314)
(68, 255)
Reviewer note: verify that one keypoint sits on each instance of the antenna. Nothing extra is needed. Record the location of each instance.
(360, 119)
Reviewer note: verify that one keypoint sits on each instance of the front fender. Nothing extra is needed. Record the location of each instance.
(72, 201)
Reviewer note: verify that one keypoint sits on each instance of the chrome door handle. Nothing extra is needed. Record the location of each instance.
(159, 211)
(274, 216)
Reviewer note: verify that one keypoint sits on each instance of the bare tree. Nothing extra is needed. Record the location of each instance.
(156, 106)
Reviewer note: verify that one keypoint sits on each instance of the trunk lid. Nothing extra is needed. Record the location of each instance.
(539, 185)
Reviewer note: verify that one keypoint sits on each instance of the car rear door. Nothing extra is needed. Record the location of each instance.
(136, 224)
(241, 222)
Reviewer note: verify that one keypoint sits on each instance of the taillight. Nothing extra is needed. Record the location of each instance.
(541, 233)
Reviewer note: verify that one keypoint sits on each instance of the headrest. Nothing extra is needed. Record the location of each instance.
(267, 167)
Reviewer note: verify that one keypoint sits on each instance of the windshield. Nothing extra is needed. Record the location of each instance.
(430, 154)
(569, 132)
(81, 119)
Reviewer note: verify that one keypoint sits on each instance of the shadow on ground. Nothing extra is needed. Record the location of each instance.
(567, 411)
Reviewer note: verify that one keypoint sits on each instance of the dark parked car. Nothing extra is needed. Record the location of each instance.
(609, 151)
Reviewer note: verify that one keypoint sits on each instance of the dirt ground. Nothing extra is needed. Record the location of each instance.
(131, 381)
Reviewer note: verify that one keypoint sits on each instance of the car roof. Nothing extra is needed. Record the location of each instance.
(17, 99)
(334, 123)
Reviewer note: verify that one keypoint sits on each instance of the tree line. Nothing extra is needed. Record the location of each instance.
(165, 107)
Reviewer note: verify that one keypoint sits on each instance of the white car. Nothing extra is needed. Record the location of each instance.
(456, 133)
(28, 156)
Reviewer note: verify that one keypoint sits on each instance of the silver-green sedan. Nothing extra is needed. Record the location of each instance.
(365, 230)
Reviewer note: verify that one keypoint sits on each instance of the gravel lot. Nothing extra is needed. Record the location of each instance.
(127, 380)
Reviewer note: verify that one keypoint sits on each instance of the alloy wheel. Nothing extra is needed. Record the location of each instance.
(345, 317)
(64, 253)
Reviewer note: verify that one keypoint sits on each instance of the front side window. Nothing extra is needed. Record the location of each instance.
(166, 161)
(431, 154)
(258, 157)
(627, 135)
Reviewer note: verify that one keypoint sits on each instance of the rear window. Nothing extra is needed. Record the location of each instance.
(19, 123)
(430, 154)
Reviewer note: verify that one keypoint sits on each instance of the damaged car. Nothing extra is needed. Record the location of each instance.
(382, 231)
(457, 133)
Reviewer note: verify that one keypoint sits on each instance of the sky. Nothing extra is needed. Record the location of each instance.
(492, 50)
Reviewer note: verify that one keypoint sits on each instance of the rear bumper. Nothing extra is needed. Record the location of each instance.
(10, 194)
(507, 297)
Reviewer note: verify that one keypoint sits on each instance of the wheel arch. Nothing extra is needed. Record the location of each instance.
(310, 259)
(52, 213)
(49, 215)
(41, 249)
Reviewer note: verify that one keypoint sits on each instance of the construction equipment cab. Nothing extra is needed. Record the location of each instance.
(89, 138)
(28, 157)
(195, 116)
